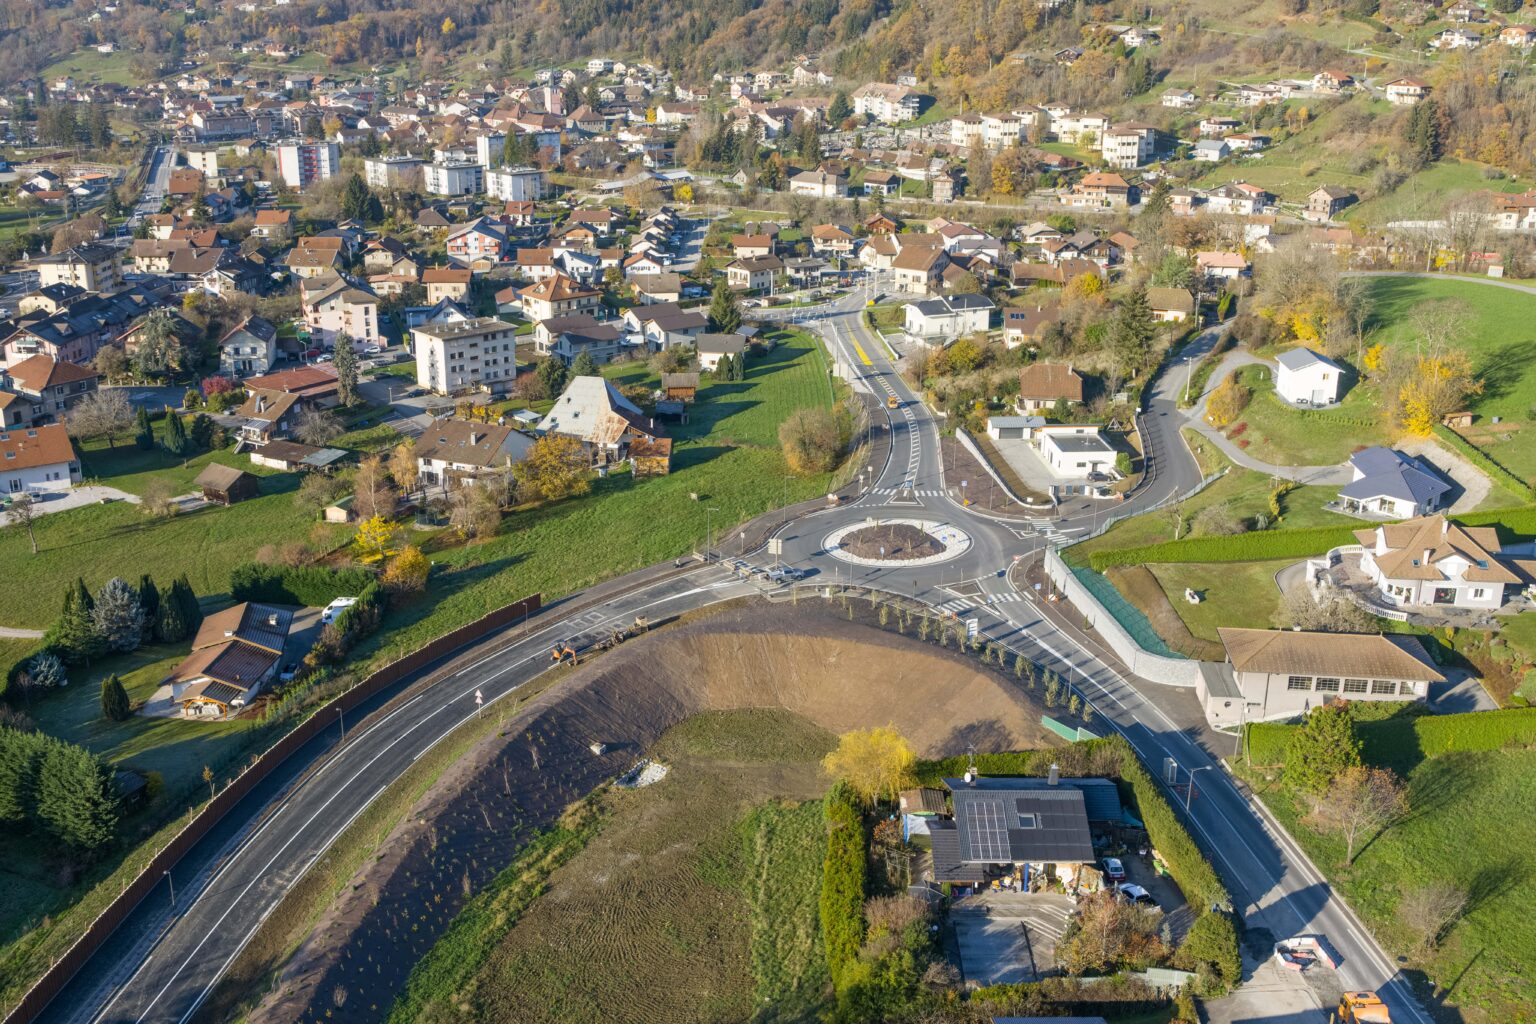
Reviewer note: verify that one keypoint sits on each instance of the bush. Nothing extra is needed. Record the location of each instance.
(1246, 547)
(812, 441)
(115, 706)
(1395, 740)
(842, 886)
(1188, 865)
(311, 585)
(1211, 946)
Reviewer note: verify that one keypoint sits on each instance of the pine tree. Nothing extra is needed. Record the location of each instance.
(552, 374)
(1132, 332)
(175, 435)
(149, 601)
(118, 616)
(724, 313)
(840, 110)
(171, 627)
(20, 759)
(202, 431)
(144, 436)
(584, 365)
(75, 635)
(75, 798)
(723, 367)
(115, 706)
(356, 200)
(345, 365)
(191, 611)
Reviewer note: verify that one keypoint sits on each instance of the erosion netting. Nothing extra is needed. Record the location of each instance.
(802, 659)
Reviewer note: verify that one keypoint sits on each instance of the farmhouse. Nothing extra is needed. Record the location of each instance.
(1326, 200)
(1390, 485)
(1274, 673)
(1042, 385)
(236, 653)
(1171, 305)
(713, 347)
(1302, 377)
(592, 411)
(1431, 561)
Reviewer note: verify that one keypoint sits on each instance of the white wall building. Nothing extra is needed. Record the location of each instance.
(302, 163)
(455, 178)
(516, 184)
(466, 355)
(390, 171)
(1302, 377)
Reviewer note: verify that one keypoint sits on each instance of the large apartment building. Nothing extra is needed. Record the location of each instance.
(390, 171)
(516, 184)
(453, 178)
(466, 355)
(300, 164)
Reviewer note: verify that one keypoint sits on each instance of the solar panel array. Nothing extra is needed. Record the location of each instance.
(988, 832)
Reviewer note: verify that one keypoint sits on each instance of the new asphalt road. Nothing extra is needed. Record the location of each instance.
(166, 959)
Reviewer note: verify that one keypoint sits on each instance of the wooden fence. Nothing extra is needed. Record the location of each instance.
(66, 966)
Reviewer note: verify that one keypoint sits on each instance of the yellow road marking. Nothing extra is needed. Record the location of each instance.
(863, 358)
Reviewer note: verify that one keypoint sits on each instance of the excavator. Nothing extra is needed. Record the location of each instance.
(1362, 1008)
(563, 652)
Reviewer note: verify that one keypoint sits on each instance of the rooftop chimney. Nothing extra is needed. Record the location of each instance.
(229, 632)
(1427, 553)
(272, 619)
(1054, 778)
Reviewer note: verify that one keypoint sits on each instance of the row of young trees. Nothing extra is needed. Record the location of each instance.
(121, 617)
(58, 788)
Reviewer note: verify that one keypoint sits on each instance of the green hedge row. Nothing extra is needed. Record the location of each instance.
(311, 585)
(1203, 888)
(1397, 741)
(1261, 545)
(842, 885)
(1482, 461)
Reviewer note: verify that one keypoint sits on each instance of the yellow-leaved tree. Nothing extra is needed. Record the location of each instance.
(556, 467)
(375, 536)
(1440, 384)
(407, 572)
(875, 763)
(1227, 402)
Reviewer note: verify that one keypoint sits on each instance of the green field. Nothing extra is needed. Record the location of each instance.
(1241, 594)
(1429, 188)
(89, 66)
(1285, 436)
(1471, 817)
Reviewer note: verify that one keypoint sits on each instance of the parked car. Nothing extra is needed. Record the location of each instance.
(785, 574)
(371, 350)
(1113, 869)
(1135, 894)
(341, 604)
(289, 671)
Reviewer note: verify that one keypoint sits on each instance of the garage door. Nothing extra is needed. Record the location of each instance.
(1010, 433)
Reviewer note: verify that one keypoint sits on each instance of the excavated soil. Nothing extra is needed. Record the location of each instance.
(804, 659)
(895, 542)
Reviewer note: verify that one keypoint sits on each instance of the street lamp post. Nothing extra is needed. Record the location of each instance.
(172, 883)
(342, 718)
(1189, 376)
(709, 530)
(1189, 793)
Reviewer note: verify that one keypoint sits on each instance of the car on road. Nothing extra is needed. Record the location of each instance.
(785, 574)
(1113, 869)
(325, 357)
(1133, 893)
(371, 350)
(892, 402)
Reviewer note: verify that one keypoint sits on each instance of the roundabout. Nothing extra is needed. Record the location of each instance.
(897, 542)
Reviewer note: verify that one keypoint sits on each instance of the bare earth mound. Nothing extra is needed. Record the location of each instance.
(803, 659)
(896, 542)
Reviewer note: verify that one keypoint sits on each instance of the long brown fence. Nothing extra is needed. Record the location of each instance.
(63, 969)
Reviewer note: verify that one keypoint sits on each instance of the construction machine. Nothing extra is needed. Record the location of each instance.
(1362, 1008)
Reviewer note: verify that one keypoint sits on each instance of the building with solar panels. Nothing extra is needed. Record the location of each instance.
(1022, 827)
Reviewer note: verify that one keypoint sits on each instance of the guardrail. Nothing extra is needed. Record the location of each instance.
(96, 934)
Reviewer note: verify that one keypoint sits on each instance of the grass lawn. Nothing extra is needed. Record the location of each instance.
(1472, 817)
(1235, 593)
(728, 454)
(87, 65)
(1430, 188)
(406, 369)
(1285, 436)
(1244, 492)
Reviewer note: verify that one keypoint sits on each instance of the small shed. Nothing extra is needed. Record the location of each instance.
(651, 456)
(1457, 420)
(339, 511)
(680, 387)
(226, 484)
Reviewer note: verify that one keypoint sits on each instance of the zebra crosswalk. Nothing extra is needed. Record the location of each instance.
(962, 605)
(921, 493)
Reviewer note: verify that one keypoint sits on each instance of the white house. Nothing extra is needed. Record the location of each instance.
(1390, 485)
(948, 316)
(1431, 561)
(713, 347)
(37, 460)
(891, 104)
(454, 451)
(1302, 377)
(1073, 450)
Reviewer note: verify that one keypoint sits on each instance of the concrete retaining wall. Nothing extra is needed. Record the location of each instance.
(1153, 667)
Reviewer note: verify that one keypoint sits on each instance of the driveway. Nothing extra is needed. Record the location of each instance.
(1471, 481)
(1273, 995)
(49, 502)
(1008, 937)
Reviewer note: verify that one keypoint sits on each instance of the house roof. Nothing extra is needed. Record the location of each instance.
(253, 326)
(721, 344)
(43, 371)
(558, 288)
(593, 409)
(1291, 652)
(924, 800)
(471, 444)
(1177, 299)
(261, 625)
(1001, 821)
(1296, 359)
(31, 447)
(220, 477)
(1385, 473)
(1050, 381)
(1414, 549)
(234, 663)
(305, 380)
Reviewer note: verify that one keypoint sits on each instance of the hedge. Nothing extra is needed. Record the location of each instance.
(1263, 545)
(1398, 741)
(1212, 944)
(1482, 461)
(842, 885)
(310, 585)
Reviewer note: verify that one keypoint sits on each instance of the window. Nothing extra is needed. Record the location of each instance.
(1478, 592)
(1383, 686)
(1299, 683)
(1354, 686)
(1028, 821)
(1326, 685)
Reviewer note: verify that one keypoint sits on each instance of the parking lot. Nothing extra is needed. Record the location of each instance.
(1008, 937)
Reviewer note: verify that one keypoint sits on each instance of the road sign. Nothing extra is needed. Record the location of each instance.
(1170, 771)
(972, 627)
(776, 546)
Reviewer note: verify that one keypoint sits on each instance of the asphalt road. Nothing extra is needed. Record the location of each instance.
(163, 962)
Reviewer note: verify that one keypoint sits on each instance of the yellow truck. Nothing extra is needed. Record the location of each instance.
(1363, 1008)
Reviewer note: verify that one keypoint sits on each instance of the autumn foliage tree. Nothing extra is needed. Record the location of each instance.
(1440, 384)
(555, 467)
(875, 763)
(1227, 402)
(1359, 803)
(811, 440)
